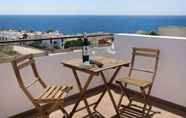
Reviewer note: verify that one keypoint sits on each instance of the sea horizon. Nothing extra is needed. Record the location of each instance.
(92, 15)
(74, 24)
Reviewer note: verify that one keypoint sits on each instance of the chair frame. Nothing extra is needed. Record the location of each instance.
(144, 52)
(21, 62)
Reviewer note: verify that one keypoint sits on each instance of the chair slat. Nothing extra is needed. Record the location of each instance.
(48, 92)
(147, 49)
(54, 92)
(32, 83)
(60, 93)
(64, 93)
(145, 54)
(20, 66)
(135, 82)
(148, 71)
(22, 58)
(43, 93)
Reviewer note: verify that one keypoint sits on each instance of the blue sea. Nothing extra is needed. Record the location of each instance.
(78, 24)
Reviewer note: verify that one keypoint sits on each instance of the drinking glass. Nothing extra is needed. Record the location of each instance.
(93, 49)
(112, 49)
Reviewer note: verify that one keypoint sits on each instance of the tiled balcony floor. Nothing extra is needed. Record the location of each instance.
(106, 109)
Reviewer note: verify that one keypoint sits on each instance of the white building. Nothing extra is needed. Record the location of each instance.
(8, 35)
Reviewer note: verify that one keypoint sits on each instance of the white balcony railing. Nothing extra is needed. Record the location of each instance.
(169, 84)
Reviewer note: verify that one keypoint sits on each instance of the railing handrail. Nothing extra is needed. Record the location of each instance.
(56, 38)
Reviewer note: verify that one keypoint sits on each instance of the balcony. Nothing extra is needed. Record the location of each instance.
(167, 92)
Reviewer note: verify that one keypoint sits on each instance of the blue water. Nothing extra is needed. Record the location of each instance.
(80, 24)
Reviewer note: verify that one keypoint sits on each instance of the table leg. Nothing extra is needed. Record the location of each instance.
(107, 87)
(82, 93)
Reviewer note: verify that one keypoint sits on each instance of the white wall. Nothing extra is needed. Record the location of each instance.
(169, 84)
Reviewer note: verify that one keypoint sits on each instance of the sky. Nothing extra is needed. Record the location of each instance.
(93, 7)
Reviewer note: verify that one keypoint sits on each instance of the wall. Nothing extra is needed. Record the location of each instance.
(169, 84)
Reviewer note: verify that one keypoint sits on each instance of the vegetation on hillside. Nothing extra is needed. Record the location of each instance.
(37, 44)
(154, 33)
(73, 43)
(7, 51)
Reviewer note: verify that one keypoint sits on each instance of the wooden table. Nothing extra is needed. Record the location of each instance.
(109, 63)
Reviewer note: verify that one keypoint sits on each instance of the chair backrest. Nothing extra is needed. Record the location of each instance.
(21, 62)
(148, 53)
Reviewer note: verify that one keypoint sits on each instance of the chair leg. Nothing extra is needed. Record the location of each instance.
(144, 97)
(146, 101)
(66, 115)
(146, 109)
(123, 92)
(150, 108)
(44, 115)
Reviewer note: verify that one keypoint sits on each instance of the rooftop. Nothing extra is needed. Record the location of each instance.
(167, 93)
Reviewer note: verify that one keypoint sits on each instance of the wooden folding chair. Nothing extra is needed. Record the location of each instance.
(144, 84)
(53, 95)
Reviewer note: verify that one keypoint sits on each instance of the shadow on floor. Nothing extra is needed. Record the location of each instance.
(129, 112)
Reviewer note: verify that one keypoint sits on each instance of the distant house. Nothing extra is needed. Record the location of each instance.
(8, 35)
(51, 42)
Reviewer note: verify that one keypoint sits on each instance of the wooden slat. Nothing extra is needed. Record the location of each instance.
(43, 93)
(63, 95)
(60, 93)
(32, 83)
(148, 71)
(54, 92)
(65, 92)
(146, 49)
(135, 82)
(145, 54)
(48, 92)
(149, 52)
(133, 110)
(22, 65)
(22, 58)
(68, 89)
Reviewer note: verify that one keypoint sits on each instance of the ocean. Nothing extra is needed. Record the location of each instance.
(78, 24)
